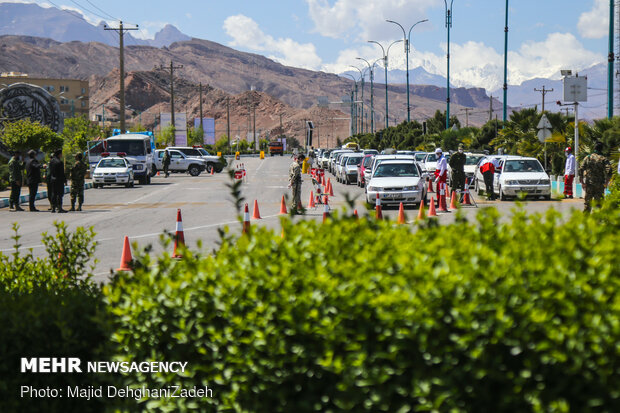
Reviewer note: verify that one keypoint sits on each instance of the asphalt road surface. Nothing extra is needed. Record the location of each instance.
(144, 213)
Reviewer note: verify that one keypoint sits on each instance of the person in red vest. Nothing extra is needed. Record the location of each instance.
(569, 173)
(441, 171)
(487, 167)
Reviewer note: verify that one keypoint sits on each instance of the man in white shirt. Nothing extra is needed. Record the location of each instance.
(441, 171)
(569, 173)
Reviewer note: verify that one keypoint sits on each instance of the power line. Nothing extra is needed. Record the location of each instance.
(103, 11)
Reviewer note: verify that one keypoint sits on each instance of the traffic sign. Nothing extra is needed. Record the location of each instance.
(544, 123)
(543, 134)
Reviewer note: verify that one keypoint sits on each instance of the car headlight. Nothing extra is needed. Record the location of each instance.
(122, 174)
(544, 182)
(511, 182)
(374, 188)
(408, 188)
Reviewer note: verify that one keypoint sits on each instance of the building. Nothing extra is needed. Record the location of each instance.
(72, 94)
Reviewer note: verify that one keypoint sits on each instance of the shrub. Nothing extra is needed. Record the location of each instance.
(495, 315)
(46, 310)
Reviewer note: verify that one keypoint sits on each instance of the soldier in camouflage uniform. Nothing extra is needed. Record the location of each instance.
(16, 167)
(594, 174)
(77, 175)
(294, 174)
(457, 163)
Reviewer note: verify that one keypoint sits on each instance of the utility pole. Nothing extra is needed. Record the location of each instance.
(544, 92)
(467, 116)
(121, 32)
(228, 120)
(610, 63)
(200, 88)
(448, 26)
(490, 108)
(505, 67)
(171, 68)
(254, 123)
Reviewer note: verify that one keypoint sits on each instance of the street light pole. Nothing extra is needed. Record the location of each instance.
(372, 108)
(448, 26)
(385, 64)
(407, 40)
(353, 99)
(362, 111)
(505, 66)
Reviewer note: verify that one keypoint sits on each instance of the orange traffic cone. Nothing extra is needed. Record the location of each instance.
(378, 207)
(311, 203)
(255, 211)
(212, 169)
(324, 182)
(466, 199)
(179, 238)
(157, 173)
(246, 220)
(442, 198)
(283, 210)
(430, 185)
(401, 215)
(355, 214)
(431, 209)
(421, 212)
(125, 256)
(326, 210)
(330, 189)
(453, 201)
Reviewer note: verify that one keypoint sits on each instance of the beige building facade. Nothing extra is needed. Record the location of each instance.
(71, 94)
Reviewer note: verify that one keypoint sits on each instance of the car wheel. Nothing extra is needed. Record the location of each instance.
(502, 197)
(194, 170)
(547, 197)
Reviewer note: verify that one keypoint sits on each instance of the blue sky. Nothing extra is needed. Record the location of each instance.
(328, 35)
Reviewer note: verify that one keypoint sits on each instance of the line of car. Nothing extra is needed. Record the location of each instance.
(401, 176)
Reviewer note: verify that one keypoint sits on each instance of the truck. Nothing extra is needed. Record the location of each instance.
(276, 148)
(136, 148)
(180, 162)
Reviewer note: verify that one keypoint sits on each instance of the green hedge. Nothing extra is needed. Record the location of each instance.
(46, 310)
(498, 315)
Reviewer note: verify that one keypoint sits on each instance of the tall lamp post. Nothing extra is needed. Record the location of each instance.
(407, 40)
(385, 64)
(372, 108)
(448, 26)
(505, 66)
(353, 99)
(362, 99)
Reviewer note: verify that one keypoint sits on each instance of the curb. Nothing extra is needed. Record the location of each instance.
(23, 199)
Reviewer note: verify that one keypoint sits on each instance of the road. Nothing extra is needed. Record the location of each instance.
(143, 213)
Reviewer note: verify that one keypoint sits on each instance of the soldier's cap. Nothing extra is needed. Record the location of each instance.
(438, 150)
(569, 149)
(460, 146)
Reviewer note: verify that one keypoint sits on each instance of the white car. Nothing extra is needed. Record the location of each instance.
(347, 172)
(113, 170)
(376, 161)
(521, 176)
(397, 181)
(479, 179)
(471, 161)
(430, 163)
(212, 161)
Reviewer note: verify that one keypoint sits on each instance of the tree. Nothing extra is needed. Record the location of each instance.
(221, 145)
(23, 135)
(195, 136)
(76, 134)
(166, 136)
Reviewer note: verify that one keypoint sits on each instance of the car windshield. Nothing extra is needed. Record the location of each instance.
(431, 158)
(203, 152)
(473, 159)
(396, 170)
(132, 147)
(420, 156)
(354, 160)
(523, 165)
(368, 162)
(191, 152)
(111, 163)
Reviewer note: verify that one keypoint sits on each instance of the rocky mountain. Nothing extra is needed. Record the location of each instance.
(30, 19)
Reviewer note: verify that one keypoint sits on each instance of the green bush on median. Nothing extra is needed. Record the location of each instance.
(494, 315)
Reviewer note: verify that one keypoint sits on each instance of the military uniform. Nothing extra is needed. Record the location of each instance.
(594, 173)
(457, 163)
(166, 163)
(16, 167)
(77, 174)
(58, 181)
(294, 173)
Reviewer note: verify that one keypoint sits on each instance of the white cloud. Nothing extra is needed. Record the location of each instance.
(364, 19)
(594, 24)
(246, 33)
(148, 29)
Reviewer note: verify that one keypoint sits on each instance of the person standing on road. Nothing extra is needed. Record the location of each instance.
(78, 173)
(487, 167)
(294, 173)
(441, 171)
(594, 175)
(33, 179)
(50, 188)
(569, 173)
(166, 162)
(58, 181)
(457, 163)
(16, 167)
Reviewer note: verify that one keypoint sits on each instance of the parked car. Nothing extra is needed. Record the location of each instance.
(341, 165)
(420, 156)
(213, 162)
(332, 158)
(430, 162)
(348, 170)
(521, 176)
(397, 181)
(179, 162)
(324, 158)
(363, 169)
(113, 170)
(370, 152)
(376, 161)
(478, 178)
